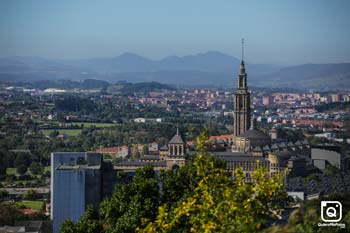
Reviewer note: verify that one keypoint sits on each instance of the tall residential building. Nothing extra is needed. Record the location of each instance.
(78, 179)
(335, 97)
(266, 99)
(241, 121)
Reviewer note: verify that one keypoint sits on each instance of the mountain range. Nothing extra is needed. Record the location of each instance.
(210, 68)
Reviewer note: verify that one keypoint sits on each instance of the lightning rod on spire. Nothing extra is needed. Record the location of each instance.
(242, 47)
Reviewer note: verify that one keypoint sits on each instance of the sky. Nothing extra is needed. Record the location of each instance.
(279, 32)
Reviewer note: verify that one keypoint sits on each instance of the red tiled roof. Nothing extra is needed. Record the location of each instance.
(223, 136)
(190, 143)
(318, 122)
(29, 211)
(108, 150)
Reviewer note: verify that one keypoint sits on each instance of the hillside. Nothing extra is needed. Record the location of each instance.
(210, 68)
(308, 76)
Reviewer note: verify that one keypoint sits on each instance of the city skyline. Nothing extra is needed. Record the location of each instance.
(291, 32)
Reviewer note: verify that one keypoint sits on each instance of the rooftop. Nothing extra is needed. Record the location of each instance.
(254, 134)
(78, 167)
(141, 164)
(150, 157)
(242, 158)
(177, 139)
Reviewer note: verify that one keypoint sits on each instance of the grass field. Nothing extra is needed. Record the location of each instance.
(12, 170)
(89, 124)
(47, 168)
(69, 132)
(32, 204)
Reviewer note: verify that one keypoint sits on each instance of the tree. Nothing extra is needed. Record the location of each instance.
(9, 213)
(21, 163)
(36, 168)
(31, 194)
(3, 194)
(75, 104)
(54, 134)
(88, 223)
(294, 135)
(318, 140)
(144, 149)
(3, 163)
(131, 202)
(21, 169)
(177, 183)
(331, 170)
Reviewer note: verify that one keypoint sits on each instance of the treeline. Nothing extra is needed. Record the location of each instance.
(144, 87)
(334, 106)
(69, 84)
(125, 88)
(75, 104)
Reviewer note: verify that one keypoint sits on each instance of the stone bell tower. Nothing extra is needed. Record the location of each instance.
(177, 152)
(241, 121)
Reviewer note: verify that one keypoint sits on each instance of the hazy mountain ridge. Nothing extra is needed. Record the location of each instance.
(129, 62)
(210, 68)
(309, 76)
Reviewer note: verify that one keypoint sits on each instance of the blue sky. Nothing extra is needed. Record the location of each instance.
(275, 31)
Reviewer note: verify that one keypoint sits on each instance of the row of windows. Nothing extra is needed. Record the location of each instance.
(247, 166)
(175, 150)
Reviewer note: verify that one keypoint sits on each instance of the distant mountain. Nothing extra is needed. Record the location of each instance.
(205, 62)
(210, 68)
(129, 62)
(308, 76)
(36, 68)
(188, 78)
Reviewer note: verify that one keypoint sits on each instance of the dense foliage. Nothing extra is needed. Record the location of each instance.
(144, 87)
(75, 104)
(198, 197)
(333, 106)
(218, 204)
(11, 212)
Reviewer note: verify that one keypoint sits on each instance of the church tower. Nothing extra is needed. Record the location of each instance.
(177, 152)
(241, 121)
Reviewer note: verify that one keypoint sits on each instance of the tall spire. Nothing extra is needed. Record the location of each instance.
(242, 68)
(242, 40)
